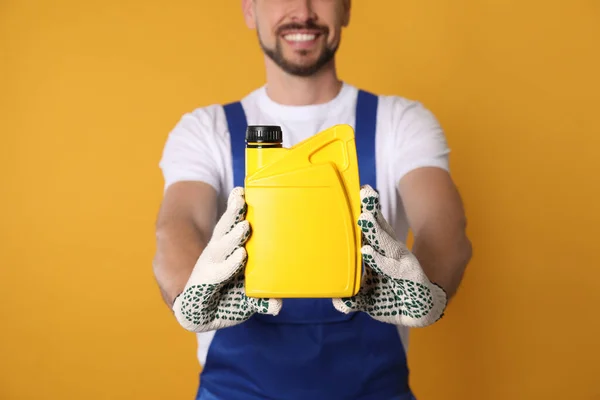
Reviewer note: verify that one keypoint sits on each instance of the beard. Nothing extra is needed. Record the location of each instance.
(293, 68)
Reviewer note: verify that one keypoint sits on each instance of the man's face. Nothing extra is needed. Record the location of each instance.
(300, 36)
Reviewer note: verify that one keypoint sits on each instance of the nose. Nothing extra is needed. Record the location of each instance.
(303, 11)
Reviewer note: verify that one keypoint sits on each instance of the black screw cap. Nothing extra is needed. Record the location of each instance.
(264, 134)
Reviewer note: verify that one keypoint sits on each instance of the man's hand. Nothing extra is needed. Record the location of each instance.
(214, 295)
(394, 288)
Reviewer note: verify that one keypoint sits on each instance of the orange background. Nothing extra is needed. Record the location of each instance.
(89, 91)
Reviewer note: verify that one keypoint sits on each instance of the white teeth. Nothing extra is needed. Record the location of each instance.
(300, 37)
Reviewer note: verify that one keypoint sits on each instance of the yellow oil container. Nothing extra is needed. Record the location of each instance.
(303, 206)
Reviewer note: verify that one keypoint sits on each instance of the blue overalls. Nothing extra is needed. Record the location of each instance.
(310, 351)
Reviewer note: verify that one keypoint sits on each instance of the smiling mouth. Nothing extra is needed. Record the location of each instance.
(300, 37)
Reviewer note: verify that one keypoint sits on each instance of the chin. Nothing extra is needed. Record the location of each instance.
(300, 62)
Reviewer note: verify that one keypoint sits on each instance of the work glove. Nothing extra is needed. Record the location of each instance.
(214, 296)
(394, 288)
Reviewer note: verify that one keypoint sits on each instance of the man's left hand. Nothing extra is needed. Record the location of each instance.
(394, 287)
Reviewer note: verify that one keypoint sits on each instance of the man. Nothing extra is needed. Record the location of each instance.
(308, 348)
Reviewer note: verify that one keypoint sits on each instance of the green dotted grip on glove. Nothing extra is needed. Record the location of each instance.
(395, 289)
(214, 296)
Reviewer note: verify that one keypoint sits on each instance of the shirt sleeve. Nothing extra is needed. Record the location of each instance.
(418, 139)
(191, 150)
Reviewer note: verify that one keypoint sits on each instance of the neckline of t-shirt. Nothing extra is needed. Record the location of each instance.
(289, 112)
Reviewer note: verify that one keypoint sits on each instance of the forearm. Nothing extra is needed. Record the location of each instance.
(178, 246)
(443, 257)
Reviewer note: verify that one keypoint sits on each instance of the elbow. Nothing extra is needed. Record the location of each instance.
(161, 238)
(465, 252)
(166, 254)
(462, 257)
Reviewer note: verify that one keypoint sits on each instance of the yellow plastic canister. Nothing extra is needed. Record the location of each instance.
(303, 206)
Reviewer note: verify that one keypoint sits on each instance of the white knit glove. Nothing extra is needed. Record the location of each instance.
(214, 296)
(394, 288)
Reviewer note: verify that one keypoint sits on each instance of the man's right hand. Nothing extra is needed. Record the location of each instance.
(214, 296)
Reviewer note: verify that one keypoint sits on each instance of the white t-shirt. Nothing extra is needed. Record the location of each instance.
(408, 136)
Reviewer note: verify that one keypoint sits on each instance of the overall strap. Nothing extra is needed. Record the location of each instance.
(366, 124)
(236, 121)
